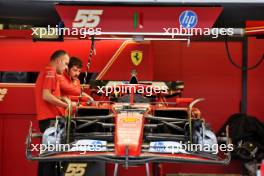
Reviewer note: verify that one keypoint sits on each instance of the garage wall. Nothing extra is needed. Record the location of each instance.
(25, 55)
(1, 145)
(14, 132)
(203, 66)
(206, 72)
(16, 111)
(256, 79)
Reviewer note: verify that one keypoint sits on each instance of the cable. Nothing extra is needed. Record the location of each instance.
(91, 53)
(238, 66)
(68, 113)
(89, 58)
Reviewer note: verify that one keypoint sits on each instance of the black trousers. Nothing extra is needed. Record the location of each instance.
(47, 168)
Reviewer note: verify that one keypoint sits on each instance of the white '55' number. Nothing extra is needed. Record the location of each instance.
(87, 18)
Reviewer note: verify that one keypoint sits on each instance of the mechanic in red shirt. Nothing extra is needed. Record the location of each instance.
(48, 99)
(69, 82)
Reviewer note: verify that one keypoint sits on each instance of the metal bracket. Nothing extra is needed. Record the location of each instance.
(116, 169)
(126, 154)
(147, 169)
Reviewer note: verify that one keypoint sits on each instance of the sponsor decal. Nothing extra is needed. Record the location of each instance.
(188, 19)
(76, 169)
(138, 20)
(87, 18)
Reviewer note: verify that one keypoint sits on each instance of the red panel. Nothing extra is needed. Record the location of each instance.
(25, 34)
(233, 168)
(16, 111)
(19, 99)
(121, 19)
(256, 79)
(13, 148)
(206, 72)
(1, 145)
(120, 67)
(256, 23)
(167, 60)
(33, 56)
(255, 27)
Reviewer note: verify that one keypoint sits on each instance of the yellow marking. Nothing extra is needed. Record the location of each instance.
(130, 120)
(76, 169)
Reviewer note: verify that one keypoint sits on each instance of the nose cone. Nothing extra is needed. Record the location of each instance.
(129, 133)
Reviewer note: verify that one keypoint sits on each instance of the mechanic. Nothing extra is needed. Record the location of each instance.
(48, 100)
(69, 82)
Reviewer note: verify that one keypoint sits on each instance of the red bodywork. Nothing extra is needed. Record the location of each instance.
(129, 132)
(131, 127)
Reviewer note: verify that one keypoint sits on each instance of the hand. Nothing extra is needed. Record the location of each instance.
(70, 110)
(74, 105)
(91, 98)
(64, 99)
(88, 96)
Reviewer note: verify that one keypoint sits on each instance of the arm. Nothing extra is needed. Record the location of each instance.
(47, 96)
(49, 85)
(86, 95)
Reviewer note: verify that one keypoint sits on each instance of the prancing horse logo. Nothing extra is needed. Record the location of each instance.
(136, 57)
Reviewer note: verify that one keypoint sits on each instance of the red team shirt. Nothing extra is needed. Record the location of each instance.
(47, 79)
(69, 87)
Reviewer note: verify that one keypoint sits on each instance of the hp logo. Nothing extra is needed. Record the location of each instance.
(188, 19)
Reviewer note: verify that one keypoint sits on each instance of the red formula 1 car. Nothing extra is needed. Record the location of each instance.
(131, 124)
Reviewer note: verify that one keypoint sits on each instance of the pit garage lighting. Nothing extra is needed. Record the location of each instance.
(141, 36)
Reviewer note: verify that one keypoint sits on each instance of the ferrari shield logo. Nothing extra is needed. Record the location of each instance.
(136, 57)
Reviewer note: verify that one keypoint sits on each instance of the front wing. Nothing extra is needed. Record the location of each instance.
(111, 157)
